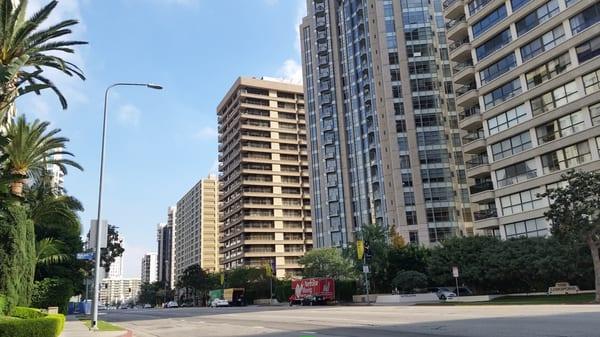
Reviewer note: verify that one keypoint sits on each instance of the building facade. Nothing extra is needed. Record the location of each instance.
(119, 290)
(384, 141)
(264, 197)
(166, 249)
(197, 228)
(528, 73)
(149, 268)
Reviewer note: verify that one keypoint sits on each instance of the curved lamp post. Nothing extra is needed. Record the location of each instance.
(97, 255)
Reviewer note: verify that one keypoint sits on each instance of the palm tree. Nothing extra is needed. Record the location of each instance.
(26, 51)
(31, 149)
(48, 251)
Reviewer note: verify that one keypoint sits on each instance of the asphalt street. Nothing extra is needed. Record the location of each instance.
(358, 321)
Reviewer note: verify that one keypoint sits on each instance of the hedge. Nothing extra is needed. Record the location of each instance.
(32, 323)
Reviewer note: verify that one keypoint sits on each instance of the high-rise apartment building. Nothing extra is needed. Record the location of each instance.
(197, 227)
(384, 142)
(166, 249)
(528, 74)
(149, 268)
(114, 291)
(265, 206)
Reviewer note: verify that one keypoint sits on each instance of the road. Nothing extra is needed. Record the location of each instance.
(359, 321)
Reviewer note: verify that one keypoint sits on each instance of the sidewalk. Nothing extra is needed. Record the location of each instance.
(76, 328)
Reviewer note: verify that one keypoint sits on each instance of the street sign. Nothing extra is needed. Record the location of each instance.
(85, 256)
(360, 249)
(455, 271)
(365, 269)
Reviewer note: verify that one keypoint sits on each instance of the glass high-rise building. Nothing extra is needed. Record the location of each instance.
(528, 73)
(384, 143)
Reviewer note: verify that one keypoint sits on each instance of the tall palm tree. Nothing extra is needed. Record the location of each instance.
(26, 51)
(48, 251)
(31, 149)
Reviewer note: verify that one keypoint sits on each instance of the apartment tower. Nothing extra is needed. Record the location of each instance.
(265, 206)
(165, 236)
(528, 74)
(149, 268)
(384, 146)
(197, 228)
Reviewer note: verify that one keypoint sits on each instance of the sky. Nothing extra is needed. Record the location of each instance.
(159, 143)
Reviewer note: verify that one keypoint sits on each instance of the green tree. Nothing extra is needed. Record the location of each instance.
(199, 281)
(150, 293)
(409, 280)
(48, 252)
(28, 50)
(376, 238)
(575, 215)
(114, 248)
(328, 262)
(409, 257)
(31, 149)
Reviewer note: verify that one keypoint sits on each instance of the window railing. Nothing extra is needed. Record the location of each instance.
(478, 6)
(473, 136)
(453, 23)
(481, 187)
(462, 66)
(457, 44)
(477, 161)
(465, 89)
(468, 112)
(515, 179)
(449, 3)
(485, 214)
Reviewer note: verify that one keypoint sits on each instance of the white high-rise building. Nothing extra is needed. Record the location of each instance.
(119, 290)
(116, 268)
(149, 268)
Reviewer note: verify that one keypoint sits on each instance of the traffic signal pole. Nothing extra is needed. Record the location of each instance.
(366, 278)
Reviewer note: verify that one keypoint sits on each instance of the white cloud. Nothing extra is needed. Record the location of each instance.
(206, 133)
(129, 114)
(291, 71)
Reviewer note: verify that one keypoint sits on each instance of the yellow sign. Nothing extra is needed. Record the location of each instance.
(360, 249)
(222, 278)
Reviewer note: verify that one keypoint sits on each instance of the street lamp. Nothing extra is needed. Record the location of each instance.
(97, 255)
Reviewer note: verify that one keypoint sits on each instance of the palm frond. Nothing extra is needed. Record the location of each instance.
(48, 252)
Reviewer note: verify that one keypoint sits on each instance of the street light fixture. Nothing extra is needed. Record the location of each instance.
(97, 255)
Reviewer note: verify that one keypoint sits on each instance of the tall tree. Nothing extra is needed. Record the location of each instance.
(575, 214)
(114, 248)
(26, 51)
(328, 262)
(31, 149)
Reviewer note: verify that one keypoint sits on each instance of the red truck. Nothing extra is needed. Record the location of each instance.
(309, 291)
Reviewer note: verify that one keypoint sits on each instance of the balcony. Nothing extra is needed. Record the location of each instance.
(478, 166)
(485, 214)
(454, 9)
(457, 29)
(467, 95)
(474, 142)
(481, 187)
(464, 72)
(460, 51)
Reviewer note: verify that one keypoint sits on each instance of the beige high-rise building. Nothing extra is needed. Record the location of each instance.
(197, 228)
(265, 206)
(528, 78)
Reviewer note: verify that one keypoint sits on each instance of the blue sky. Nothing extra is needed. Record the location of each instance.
(159, 142)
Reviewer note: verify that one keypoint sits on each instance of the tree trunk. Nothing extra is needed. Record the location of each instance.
(16, 187)
(596, 258)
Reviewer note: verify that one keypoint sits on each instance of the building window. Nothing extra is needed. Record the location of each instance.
(477, 5)
(591, 82)
(404, 161)
(413, 237)
(554, 99)
(487, 22)
(543, 43)
(493, 44)
(532, 228)
(409, 199)
(585, 19)
(507, 119)
(438, 194)
(567, 157)
(502, 93)
(426, 120)
(588, 49)
(547, 71)
(427, 138)
(516, 4)
(521, 202)
(516, 173)
(498, 68)
(595, 113)
(512, 145)
(436, 156)
(407, 180)
(411, 218)
(561, 127)
(537, 17)
(435, 175)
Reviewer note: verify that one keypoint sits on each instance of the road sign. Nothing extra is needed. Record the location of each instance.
(455, 271)
(85, 256)
(365, 269)
(360, 249)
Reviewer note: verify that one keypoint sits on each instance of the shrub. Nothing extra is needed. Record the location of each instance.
(409, 280)
(344, 289)
(32, 323)
(52, 292)
(3, 305)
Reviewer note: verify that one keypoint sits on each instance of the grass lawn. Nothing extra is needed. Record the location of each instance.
(102, 325)
(541, 299)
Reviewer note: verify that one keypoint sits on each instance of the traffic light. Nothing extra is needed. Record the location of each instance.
(368, 253)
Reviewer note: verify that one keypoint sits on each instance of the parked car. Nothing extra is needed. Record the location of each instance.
(147, 306)
(219, 303)
(172, 304)
(124, 306)
(443, 293)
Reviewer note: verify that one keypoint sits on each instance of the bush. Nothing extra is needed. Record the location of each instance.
(32, 323)
(344, 289)
(3, 305)
(52, 292)
(409, 280)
